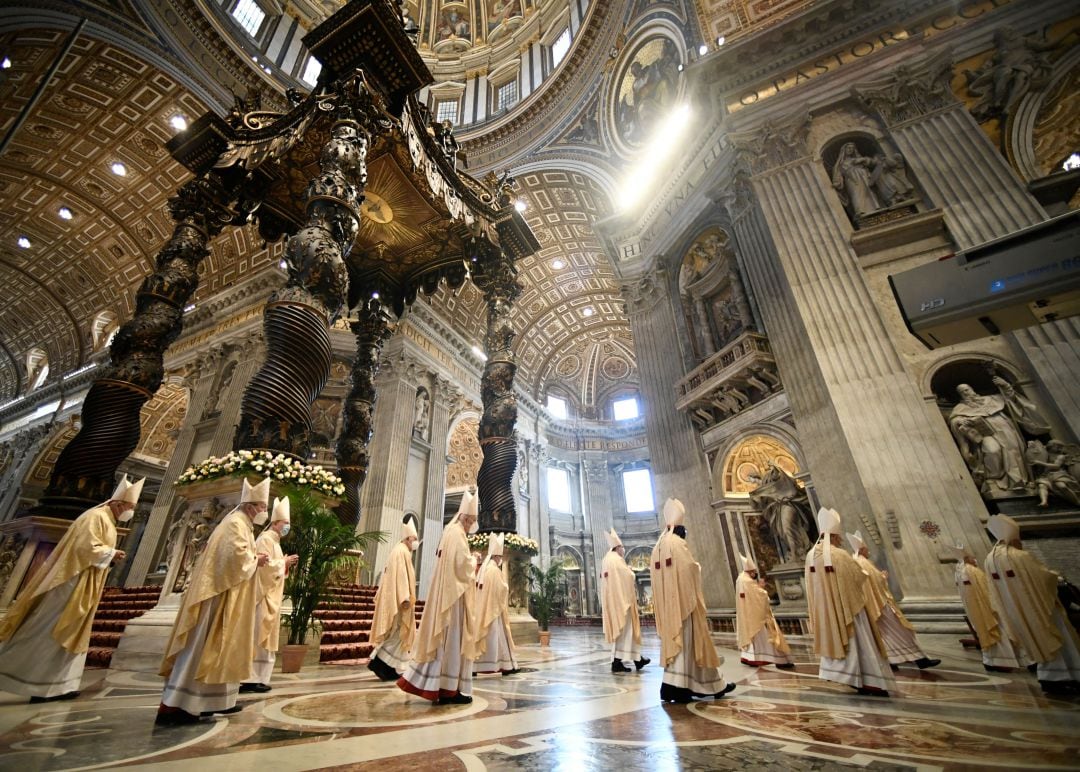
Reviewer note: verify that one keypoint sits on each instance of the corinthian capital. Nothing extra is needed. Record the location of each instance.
(910, 91)
(774, 143)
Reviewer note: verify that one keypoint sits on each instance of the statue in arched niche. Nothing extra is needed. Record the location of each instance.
(784, 505)
(868, 179)
(422, 414)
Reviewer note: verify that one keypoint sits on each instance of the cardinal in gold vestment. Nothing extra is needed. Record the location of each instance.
(845, 638)
(212, 645)
(46, 632)
(269, 592)
(618, 597)
(759, 637)
(1024, 594)
(897, 633)
(686, 649)
(493, 644)
(998, 652)
(393, 628)
(442, 657)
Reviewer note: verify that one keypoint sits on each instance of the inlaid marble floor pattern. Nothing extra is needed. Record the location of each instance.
(566, 711)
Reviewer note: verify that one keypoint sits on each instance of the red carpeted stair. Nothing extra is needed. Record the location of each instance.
(346, 619)
(118, 605)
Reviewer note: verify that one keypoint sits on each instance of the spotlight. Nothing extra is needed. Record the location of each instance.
(65, 213)
(520, 205)
(6, 64)
(702, 50)
(374, 295)
(283, 265)
(118, 169)
(558, 265)
(179, 122)
(720, 41)
(587, 311)
(23, 242)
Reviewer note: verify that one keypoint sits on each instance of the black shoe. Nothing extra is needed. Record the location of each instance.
(256, 688)
(786, 666)
(175, 718)
(515, 671)
(1058, 687)
(669, 693)
(894, 667)
(1033, 667)
(870, 691)
(223, 711)
(381, 670)
(726, 690)
(457, 699)
(640, 663)
(617, 666)
(57, 698)
(996, 669)
(926, 662)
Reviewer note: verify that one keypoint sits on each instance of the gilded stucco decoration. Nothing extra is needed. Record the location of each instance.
(734, 18)
(466, 454)
(748, 462)
(161, 419)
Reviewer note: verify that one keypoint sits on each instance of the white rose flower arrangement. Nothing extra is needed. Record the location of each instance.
(263, 463)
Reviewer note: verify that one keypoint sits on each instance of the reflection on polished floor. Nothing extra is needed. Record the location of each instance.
(566, 711)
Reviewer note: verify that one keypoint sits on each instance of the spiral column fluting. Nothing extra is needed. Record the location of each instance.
(494, 273)
(371, 328)
(275, 413)
(84, 472)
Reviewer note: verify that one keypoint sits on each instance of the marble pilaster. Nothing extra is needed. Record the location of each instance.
(598, 514)
(678, 463)
(871, 442)
(444, 396)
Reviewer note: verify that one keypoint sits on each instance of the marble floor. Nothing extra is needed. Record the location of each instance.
(566, 711)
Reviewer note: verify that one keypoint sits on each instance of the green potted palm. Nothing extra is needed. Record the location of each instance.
(322, 544)
(547, 589)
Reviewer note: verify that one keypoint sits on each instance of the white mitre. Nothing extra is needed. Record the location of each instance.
(255, 494)
(613, 539)
(128, 491)
(960, 552)
(281, 509)
(1003, 527)
(674, 512)
(856, 541)
(495, 545)
(747, 562)
(409, 531)
(828, 523)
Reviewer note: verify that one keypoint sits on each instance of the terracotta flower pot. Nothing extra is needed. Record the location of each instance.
(292, 657)
(545, 637)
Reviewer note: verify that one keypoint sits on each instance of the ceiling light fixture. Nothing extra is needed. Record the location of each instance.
(6, 64)
(721, 40)
(118, 169)
(178, 122)
(23, 242)
(702, 50)
(520, 205)
(65, 213)
(587, 311)
(283, 265)
(558, 265)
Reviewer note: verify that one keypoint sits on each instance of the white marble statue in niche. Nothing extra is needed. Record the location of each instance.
(422, 415)
(869, 180)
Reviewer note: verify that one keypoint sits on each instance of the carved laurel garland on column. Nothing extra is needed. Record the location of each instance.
(110, 414)
(494, 273)
(371, 328)
(276, 408)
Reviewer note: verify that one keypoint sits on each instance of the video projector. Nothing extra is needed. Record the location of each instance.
(1027, 277)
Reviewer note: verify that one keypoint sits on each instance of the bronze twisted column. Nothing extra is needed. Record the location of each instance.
(496, 276)
(371, 328)
(276, 408)
(85, 470)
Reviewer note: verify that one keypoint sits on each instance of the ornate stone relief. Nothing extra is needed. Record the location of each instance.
(465, 455)
(1018, 66)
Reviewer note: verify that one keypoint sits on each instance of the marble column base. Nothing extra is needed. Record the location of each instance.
(142, 646)
(523, 627)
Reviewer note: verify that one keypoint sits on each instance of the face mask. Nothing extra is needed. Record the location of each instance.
(261, 517)
(126, 516)
(285, 530)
